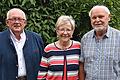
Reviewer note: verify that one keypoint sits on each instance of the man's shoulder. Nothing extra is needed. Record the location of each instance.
(115, 31)
(34, 36)
(89, 34)
(31, 33)
(4, 33)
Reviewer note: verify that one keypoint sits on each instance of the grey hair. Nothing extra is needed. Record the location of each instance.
(99, 6)
(15, 9)
(62, 20)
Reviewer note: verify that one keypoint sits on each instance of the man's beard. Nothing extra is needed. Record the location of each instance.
(98, 29)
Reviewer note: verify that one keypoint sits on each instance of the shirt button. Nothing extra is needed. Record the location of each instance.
(17, 65)
(16, 77)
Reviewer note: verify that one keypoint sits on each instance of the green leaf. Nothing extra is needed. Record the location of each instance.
(24, 2)
(33, 2)
(11, 1)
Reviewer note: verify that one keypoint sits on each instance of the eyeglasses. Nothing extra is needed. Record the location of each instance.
(63, 30)
(16, 19)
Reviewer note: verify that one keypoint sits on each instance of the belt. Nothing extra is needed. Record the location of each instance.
(22, 78)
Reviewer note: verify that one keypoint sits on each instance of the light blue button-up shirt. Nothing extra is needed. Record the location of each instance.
(101, 58)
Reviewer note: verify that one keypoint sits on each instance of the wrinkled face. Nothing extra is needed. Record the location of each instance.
(16, 21)
(65, 32)
(99, 19)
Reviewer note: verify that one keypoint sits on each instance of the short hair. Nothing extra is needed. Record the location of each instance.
(15, 9)
(62, 20)
(99, 6)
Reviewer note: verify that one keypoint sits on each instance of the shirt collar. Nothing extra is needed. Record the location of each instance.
(22, 35)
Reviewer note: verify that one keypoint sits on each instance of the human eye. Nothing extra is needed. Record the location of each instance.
(20, 19)
(100, 16)
(93, 17)
(61, 29)
(68, 30)
(11, 19)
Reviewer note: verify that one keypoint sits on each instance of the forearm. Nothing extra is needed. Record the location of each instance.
(81, 72)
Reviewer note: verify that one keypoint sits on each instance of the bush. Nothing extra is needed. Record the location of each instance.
(42, 15)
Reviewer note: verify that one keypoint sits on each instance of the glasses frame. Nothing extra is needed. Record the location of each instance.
(63, 30)
(16, 19)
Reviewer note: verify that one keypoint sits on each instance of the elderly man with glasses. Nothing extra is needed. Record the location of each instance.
(20, 50)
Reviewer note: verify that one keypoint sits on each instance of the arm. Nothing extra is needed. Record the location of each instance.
(81, 72)
(42, 74)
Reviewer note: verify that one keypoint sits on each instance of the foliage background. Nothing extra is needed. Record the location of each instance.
(42, 15)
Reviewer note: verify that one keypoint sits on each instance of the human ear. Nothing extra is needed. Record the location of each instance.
(109, 16)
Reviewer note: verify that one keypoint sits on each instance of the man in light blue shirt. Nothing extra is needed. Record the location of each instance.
(100, 47)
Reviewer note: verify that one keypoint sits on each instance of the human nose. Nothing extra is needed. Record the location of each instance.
(97, 19)
(16, 21)
(65, 31)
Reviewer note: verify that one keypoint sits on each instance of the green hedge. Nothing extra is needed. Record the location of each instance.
(42, 15)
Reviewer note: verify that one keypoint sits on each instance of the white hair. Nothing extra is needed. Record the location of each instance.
(62, 20)
(15, 9)
(99, 6)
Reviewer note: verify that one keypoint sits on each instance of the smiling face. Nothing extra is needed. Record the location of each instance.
(65, 32)
(16, 20)
(99, 19)
(65, 26)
